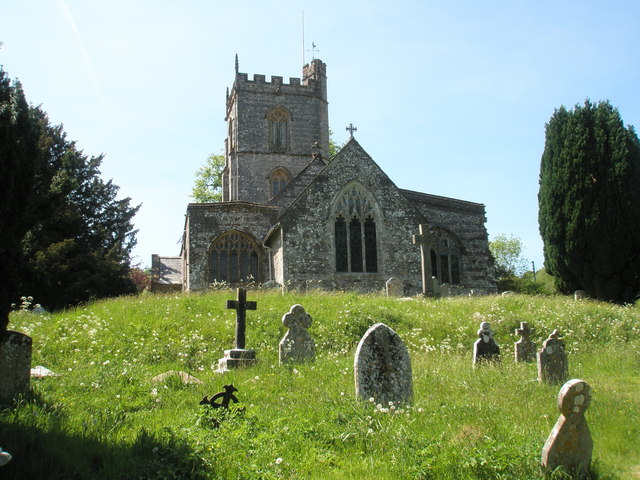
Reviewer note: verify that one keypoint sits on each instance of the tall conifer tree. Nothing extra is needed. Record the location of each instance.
(589, 202)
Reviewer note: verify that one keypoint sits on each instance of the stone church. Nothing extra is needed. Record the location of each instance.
(293, 216)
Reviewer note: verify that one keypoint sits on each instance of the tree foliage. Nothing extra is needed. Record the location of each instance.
(65, 237)
(589, 202)
(21, 164)
(208, 184)
(509, 263)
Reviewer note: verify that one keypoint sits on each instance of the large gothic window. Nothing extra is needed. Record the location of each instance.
(278, 120)
(445, 258)
(278, 179)
(355, 231)
(234, 258)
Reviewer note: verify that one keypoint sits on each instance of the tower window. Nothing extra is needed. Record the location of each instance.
(278, 179)
(278, 120)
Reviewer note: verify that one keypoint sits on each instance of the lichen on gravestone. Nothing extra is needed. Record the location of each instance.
(297, 345)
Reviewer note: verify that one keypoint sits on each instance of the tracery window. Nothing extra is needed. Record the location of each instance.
(234, 258)
(355, 231)
(278, 179)
(278, 119)
(445, 258)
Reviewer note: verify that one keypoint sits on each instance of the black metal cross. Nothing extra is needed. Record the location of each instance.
(351, 129)
(426, 240)
(241, 306)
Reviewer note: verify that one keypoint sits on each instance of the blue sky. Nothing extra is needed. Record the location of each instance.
(449, 98)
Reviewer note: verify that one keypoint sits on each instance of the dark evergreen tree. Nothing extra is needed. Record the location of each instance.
(21, 161)
(589, 202)
(81, 248)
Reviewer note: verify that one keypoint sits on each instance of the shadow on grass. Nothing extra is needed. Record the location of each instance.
(50, 452)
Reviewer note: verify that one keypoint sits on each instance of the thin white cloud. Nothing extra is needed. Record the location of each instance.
(85, 54)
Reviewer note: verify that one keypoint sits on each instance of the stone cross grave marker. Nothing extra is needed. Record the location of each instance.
(485, 349)
(525, 349)
(15, 365)
(570, 445)
(553, 366)
(425, 239)
(239, 356)
(297, 345)
(382, 367)
(394, 287)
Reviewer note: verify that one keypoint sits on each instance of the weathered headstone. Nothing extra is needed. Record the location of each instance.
(485, 349)
(553, 366)
(394, 287)
(240, 356)
(570, 445)
(426, 240)
(41, 372)
(15, 365)
(525, 349)
(579, 295)
(4, 457)
(297, 345)
(382, 367)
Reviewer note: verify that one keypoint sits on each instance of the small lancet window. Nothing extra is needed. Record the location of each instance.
(278, 179)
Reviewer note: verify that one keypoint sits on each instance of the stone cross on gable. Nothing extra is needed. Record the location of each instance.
(351, 129)
(241, 306)
(426, 240)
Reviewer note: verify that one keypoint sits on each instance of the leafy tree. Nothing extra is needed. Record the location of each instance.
(21, 162)
(208, 184)
(589, 202)
(509, 263)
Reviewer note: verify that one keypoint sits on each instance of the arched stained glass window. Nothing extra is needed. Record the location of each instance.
(355, 231)
(234, 258)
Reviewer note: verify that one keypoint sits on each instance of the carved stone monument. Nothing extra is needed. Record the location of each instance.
(15, 365)
(297, 345)
(382, 367)
(240, 356)
(394, 287)
(570, 445)
(553, 366)
(525, 349)
(485, 349)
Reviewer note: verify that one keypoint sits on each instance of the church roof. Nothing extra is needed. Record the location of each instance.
(446, 203)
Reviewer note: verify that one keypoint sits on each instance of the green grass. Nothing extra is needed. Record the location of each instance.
(104, 419)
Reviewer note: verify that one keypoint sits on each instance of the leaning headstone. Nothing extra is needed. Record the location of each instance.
(297, 345)
(394, 287)
(382, 367)
(222, 399)
(15, 365)
(525, 349)
(579, 295)
(4, 458)
(569, 445)
(240, 356)
(485, 349)
(553, 366)
(182, 377)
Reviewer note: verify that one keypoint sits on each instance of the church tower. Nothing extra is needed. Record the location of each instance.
(271, 131)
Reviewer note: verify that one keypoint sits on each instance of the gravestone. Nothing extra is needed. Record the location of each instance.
(224, 398)
(297, 345)
(382, 367)
(485, 349)
(41, 372)
(525, 349)
(579, 295)
(4, 457)
(240, 356)
(570, 445)
(394, 287)
(553, 366)
(15, 365)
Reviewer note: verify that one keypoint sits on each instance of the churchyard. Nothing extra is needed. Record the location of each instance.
(105, 416)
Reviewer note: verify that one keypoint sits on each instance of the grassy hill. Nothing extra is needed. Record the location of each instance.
(103, 417)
